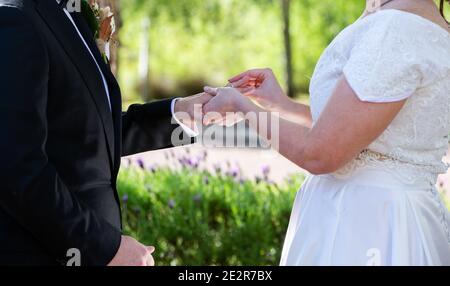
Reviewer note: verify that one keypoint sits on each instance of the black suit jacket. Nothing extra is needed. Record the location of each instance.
(60, 142)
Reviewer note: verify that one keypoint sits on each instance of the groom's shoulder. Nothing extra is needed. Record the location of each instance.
(19, 4)
(18, 11)
(25, 6)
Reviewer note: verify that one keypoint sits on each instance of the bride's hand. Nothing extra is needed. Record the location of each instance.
(262, 86)
(228, 106)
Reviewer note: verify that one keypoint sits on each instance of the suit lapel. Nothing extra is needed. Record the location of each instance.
(68, 37)
(114, 90)
(89, 39)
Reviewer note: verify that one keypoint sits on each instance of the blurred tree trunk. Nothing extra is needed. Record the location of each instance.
(114, 45)
(286, 7)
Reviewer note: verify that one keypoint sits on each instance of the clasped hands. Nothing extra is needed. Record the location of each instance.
(251, 91)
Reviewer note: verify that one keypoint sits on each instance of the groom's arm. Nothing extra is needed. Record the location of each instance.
(32, 193)
(147, 127)
(154, 126)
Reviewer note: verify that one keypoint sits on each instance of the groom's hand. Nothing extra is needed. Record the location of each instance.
(189, 110)
(228, 106)
(133, 253)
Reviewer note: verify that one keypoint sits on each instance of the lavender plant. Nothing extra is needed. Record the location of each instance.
(196, 217)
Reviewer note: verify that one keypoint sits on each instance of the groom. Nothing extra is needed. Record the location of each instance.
(62, 134)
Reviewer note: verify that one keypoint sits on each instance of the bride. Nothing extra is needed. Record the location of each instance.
(373, 140)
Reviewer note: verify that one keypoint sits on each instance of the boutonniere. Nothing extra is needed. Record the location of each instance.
(102, 24)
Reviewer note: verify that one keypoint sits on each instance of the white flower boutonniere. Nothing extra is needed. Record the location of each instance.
(101, 21)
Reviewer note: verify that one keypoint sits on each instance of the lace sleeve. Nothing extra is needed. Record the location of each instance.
(385, 63)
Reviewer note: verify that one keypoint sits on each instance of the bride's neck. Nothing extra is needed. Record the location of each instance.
(374, 5)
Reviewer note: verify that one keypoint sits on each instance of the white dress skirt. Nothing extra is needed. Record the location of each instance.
(382, 208)
(368, 219)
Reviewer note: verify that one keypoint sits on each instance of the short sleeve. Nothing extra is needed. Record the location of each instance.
(385, 63)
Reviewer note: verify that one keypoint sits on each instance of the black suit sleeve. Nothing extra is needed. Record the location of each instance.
(147, 127)
(32, 193)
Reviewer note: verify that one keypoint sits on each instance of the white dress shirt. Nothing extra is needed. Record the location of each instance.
(186, 129)
(105, 84)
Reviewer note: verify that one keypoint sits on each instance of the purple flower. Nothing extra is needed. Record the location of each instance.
(171, 204)
(234, 172)
(265, 170)
(184, 162)
(141, 164)
(189, 162)
(125, 198)
(193, 163)
(152, 169)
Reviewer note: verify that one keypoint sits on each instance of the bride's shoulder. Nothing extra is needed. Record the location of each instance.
(403, 24)
(400, 30)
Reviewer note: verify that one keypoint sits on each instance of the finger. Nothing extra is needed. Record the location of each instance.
(247, 91)
(238, 77)
(245, 81)
(211, 91)
(205, 97)
(255, 73)
(150, 249)
(150, 261)
(199, 95)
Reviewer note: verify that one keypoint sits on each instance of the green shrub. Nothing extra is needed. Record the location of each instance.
(194, 217)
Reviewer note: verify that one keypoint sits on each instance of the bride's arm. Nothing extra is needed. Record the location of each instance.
(294, 111)
(262, 86)
(347, 126)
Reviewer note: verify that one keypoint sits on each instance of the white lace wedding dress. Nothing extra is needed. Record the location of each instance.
(382, 208)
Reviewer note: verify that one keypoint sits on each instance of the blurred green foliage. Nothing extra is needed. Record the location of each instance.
(195, 218)
(193, 42)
